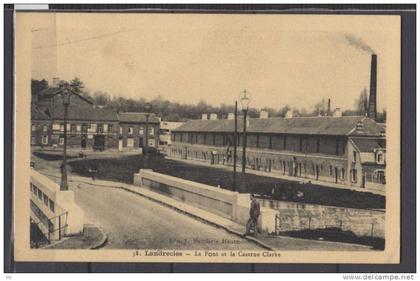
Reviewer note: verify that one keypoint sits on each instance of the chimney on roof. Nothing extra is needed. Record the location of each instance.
(204, 116)
(213, 116)
(289, 114)
(329, 107)
(372, 95)
(231, 116)
(263, 114)
(55, 81)
(337, 112)
(360, 127)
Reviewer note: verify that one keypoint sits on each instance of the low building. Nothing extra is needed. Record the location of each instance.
(166, 128)
(318, 148)
(133, 130)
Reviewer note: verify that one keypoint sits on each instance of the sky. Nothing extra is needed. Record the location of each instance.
(279, 59)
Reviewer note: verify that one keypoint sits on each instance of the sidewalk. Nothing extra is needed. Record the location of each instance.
(285, 177)
(267, 242)
(92, 238)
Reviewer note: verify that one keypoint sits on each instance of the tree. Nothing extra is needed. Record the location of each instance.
(381, 117)
(37, 86)
(361, 103)
(320, 108)
(282, 111)
(101, 98)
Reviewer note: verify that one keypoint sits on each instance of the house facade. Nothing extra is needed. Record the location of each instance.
(88, 126)
(133, 130)
(318, 148)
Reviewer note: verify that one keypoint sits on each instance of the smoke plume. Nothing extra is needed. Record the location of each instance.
(358, 43)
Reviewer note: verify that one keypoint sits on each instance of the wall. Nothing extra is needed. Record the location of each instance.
(51, 207)
(136, 136)
(269, 160)
(227, 204)
(74, 138)
(37, 132)
(297, 216)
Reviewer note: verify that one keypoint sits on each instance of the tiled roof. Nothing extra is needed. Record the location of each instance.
(52, 91)
(136, 117)
(84, 113)
(38, 114)
(48, 92)
(367, 145)
(339, 126)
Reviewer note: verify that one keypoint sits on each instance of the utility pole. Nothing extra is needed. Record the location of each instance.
(66, 90)
(244, 144)
(146, 148)
(235, 146)
(66, 101)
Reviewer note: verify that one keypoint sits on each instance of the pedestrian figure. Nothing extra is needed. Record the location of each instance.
(93, 171)
(254, 213)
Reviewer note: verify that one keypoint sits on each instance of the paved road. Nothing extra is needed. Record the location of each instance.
(134, 222)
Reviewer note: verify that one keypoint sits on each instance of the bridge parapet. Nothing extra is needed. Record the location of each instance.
(224, 203)
(54, 211)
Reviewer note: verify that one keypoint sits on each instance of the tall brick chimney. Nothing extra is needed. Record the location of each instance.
(372, 93)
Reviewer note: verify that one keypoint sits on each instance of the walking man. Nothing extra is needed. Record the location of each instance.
(254, 213)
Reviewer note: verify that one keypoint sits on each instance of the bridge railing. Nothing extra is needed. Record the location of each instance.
(53, 211)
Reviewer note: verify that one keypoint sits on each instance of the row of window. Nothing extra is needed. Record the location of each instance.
(91, 128)
(42, 197)
(226, 140)
(379, 157)
(44, 140)
(130, 131)
(294, 167)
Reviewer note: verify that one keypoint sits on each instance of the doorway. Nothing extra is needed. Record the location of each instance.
(99, 142)
(141, 142)
(336, 174)
(83, 141)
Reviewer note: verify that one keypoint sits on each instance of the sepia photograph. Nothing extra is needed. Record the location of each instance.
(144, 137)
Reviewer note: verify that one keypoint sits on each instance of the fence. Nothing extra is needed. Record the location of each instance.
(54, 228)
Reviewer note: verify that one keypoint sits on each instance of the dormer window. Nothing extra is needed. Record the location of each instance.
(380, 157)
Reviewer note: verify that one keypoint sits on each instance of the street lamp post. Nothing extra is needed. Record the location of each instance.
(235, 145)
(66, 102)
(244, 99)
(147, 108)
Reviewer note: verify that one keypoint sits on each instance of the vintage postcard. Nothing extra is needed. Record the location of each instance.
(194, 137)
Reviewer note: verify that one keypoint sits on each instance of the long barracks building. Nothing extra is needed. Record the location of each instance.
(346, 150)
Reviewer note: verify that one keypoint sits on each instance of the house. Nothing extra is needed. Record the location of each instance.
(337, 149)
(166, 128)
(133, 130)
(88, 126)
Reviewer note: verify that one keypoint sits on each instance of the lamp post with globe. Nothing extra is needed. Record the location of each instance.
(244, 100)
